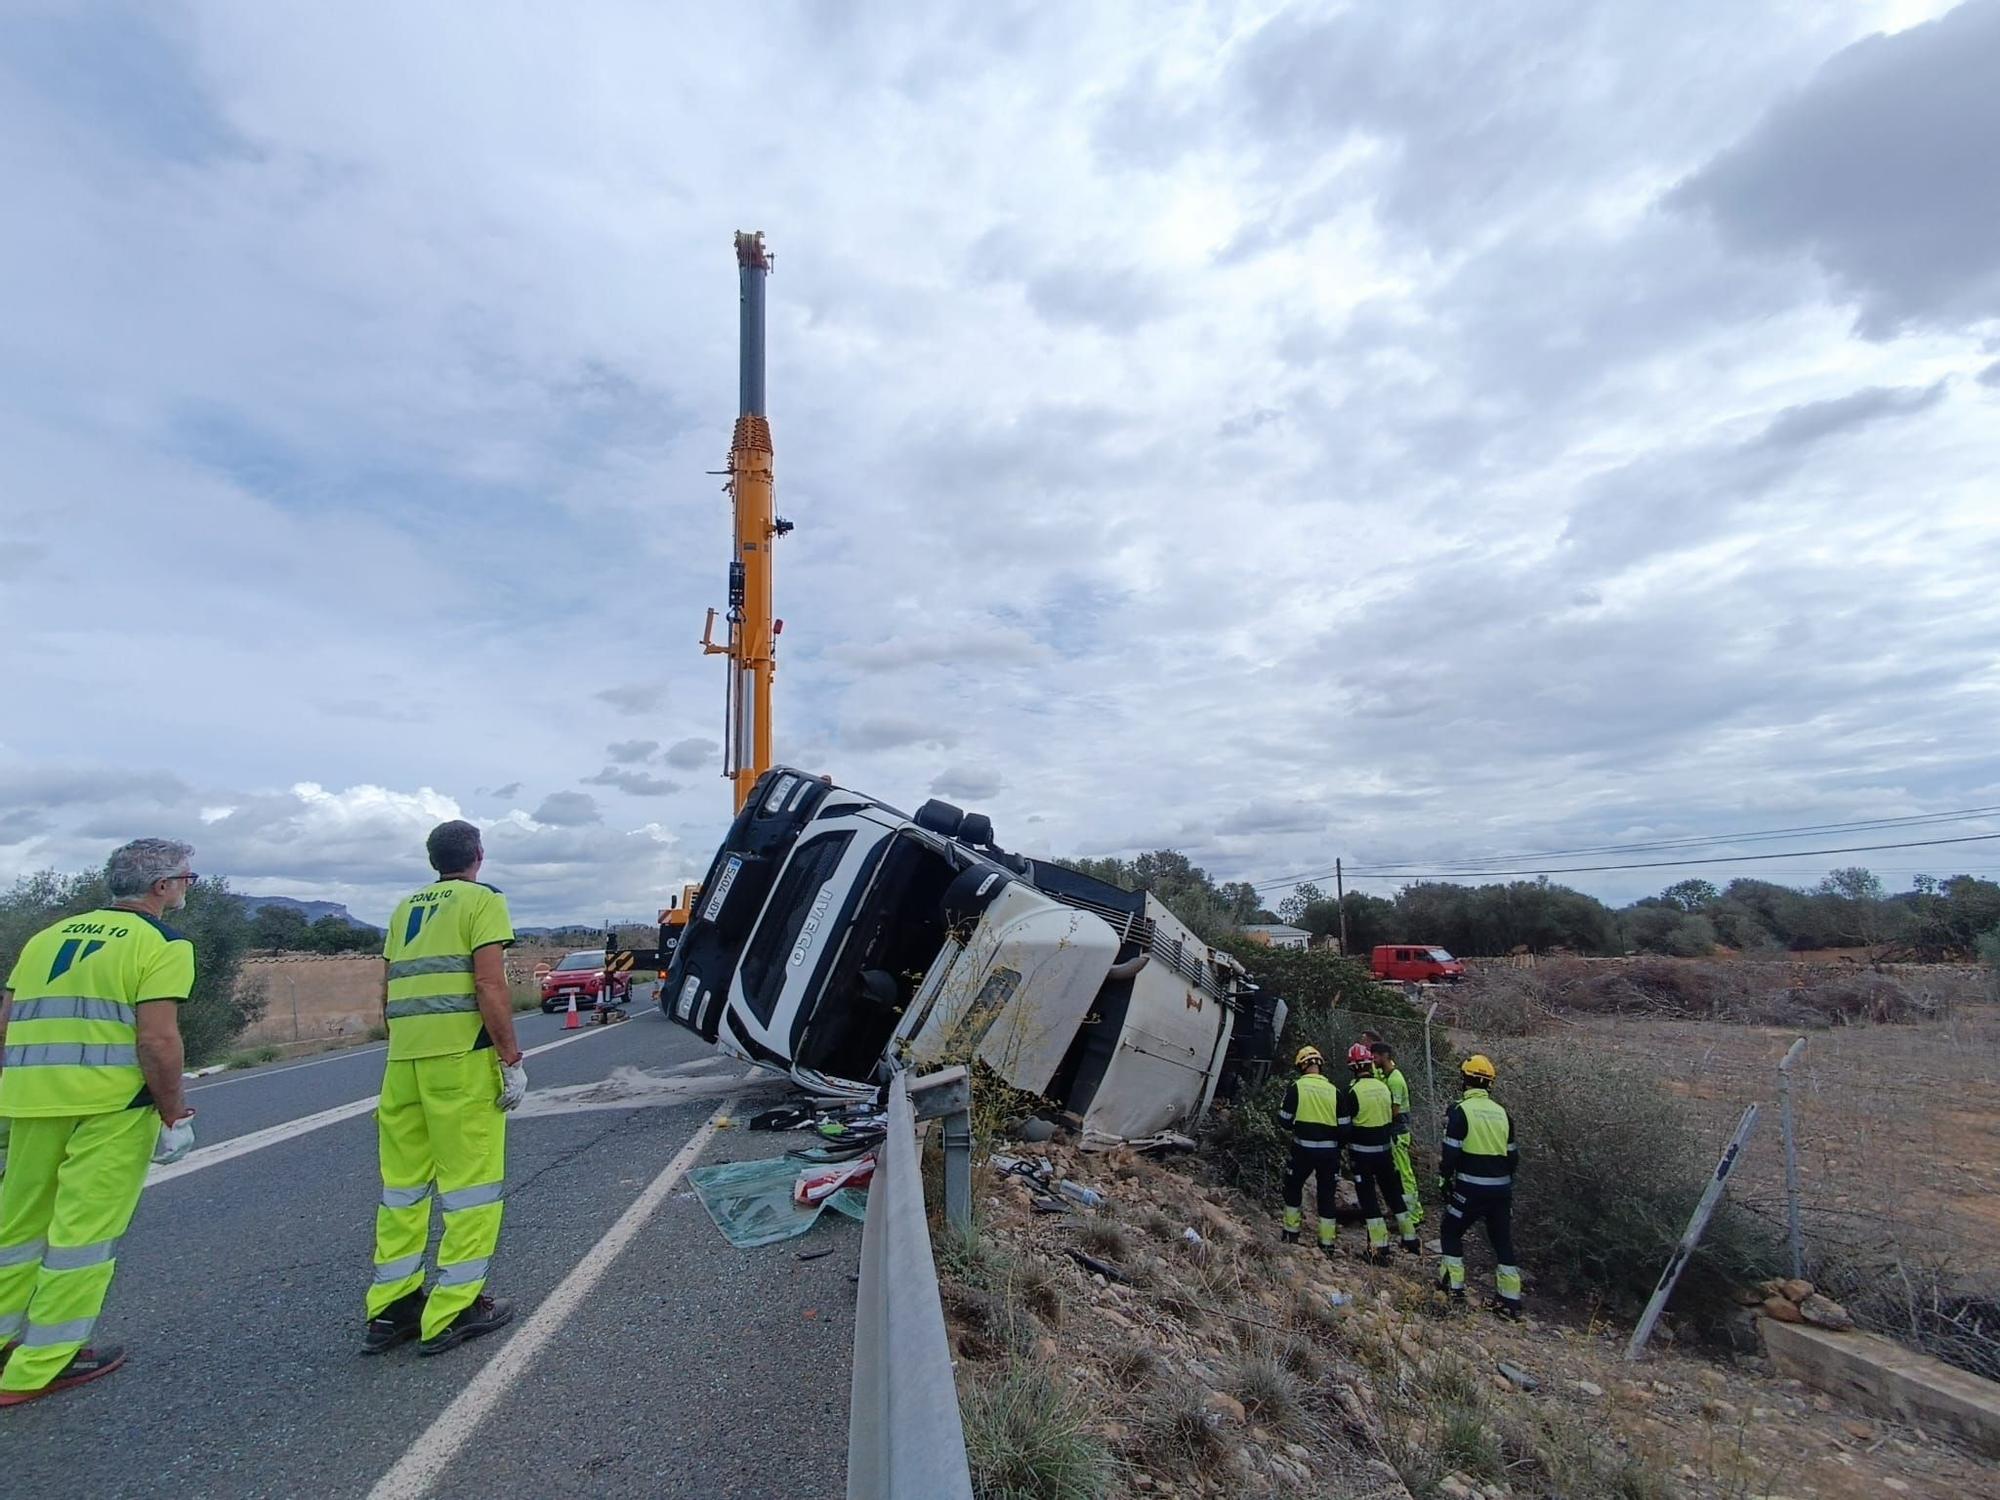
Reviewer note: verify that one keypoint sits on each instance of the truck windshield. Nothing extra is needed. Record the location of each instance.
(1438, 955)
(894, 938)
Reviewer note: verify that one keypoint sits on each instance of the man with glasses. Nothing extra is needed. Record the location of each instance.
(90, 1072)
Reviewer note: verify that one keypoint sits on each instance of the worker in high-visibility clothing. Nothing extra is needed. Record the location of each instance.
(454, 1070)
(90, 1079)
(1368, 1138)
(1476, 1172)
(1399, 1143)
(1314, 1112)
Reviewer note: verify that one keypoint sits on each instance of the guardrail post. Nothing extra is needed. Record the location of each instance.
(947, 1095)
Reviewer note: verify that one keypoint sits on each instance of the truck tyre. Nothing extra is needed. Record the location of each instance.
(940, 817)
(977, 830)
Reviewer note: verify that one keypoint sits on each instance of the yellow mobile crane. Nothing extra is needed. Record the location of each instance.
(753, 633)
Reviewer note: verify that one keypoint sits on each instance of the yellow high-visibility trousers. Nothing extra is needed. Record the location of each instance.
(72, 1184)
(437, 1127)
(1399, 1153)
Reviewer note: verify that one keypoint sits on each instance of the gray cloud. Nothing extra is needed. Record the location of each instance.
(1075, 292)
(511, 789)
(18, 824)
(691, 754)
(1884, 170)
(1991, 374)
(972, 783)
(567, 810)
(888, 733)
(1814, 421)
(633, 783)
(635, 698)
(630, 752)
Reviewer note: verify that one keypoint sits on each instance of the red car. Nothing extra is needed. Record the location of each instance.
(581, 975)
(1415, 961)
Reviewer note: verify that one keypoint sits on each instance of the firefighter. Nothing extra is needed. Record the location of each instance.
(91, 1083)
(1368, 1138)
(453, 1071)
(1399, 1143)
(1313, 1111)
(1476, 1175)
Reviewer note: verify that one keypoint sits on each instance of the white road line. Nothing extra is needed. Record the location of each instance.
(435, 1447)
(272, 1135)
(252, 1077)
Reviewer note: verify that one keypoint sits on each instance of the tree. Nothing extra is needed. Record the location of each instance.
(1691, 895)
(218, 1010)
(281, 929)
(1293, 908)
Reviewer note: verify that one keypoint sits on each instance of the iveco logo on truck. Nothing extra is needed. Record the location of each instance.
(809, 929)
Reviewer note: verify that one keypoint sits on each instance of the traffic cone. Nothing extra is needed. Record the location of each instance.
(570, 1022)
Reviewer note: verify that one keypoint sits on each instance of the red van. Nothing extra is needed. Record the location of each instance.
(1415, 961)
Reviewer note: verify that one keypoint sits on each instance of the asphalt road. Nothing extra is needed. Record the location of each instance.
(690, 1369)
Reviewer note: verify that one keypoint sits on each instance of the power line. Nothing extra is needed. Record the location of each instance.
(1912, 820)
(1396, 867)
(1664, 864)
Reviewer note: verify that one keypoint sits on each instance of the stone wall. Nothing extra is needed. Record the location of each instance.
(314, 996)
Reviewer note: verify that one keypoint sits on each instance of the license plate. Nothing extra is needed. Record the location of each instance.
(708, 912)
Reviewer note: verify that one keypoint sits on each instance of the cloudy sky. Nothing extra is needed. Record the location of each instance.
(1396, 432)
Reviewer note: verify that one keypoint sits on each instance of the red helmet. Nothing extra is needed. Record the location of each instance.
(1358, 1055)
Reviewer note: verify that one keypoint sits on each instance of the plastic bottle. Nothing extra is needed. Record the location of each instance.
(1076, 1192)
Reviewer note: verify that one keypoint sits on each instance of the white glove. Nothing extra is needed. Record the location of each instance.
(176, 1140)
(513, 1086)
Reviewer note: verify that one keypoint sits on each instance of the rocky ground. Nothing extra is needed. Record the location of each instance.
(1222, 1364)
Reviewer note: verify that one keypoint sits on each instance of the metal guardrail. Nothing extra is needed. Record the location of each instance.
(905, 1438)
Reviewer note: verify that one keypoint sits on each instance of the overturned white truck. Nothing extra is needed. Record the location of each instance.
(836, 938)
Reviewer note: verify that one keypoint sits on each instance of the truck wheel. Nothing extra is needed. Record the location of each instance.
(977, 830)
(940, 817)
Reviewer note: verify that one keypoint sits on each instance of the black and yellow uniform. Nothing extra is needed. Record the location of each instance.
(1478, 1164)
(1314, 1111)
(1373, 1168)
(437, 1125)
(84, 1124)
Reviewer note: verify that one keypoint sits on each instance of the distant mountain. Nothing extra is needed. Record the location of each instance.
(312, 911)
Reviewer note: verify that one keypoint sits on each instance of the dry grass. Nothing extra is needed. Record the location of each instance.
(1269, 1393)
(1106, 1238)
(1177, 1434)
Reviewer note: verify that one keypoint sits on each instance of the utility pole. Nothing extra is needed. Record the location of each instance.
(1340, 905)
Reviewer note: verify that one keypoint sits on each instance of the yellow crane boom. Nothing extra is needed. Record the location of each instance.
(751, 644)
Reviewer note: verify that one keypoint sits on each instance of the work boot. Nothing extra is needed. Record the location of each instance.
(399, 1322)
(84, 1366)
(1508, 1308)
(1379, 1255)
(485, 1315)
(1330, 1250)
(1413, 1246)
(1288, 1236)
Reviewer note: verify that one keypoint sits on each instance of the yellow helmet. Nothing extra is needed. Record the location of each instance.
(1306, 1055)
(1478, 1066)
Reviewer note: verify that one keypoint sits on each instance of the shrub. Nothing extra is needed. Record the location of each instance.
(1106, 1239)
(1027, 1438)
(1269, 1393)
(1611, 1167)
(1177, 1435)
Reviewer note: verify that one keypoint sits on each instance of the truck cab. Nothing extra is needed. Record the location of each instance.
(836, 939)
(1415, 963)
